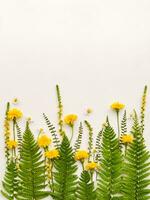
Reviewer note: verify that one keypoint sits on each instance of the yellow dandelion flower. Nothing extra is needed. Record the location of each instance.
(117, 106)
(14, 114)
(91, 166)
(127, 138)
(70, 119)
(81, 155)
(51, 154)
(12, 144)
(44, 141)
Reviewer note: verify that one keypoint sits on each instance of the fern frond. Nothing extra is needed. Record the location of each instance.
(90, 140)
(79, 138)
(19, 137)
(109, 182)
(137, 167)
(60, 110)
(65, 179)
(85, 189)
(98, 146)
(143, 106)
(124, 123)
(7, 134)
(10, 182)
(52, 130)
(32, 170)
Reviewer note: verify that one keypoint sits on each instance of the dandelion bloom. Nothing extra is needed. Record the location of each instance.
(14, 114)
(127, 138)
(70, 119)
(12, 144)
(117, 106)
(81, 155)
(44, 141)
(91, 166)
(51, 154)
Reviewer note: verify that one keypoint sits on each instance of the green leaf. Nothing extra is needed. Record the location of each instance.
(52, 130)
(10, 182)
(32, 170)
(79, 138)
(136, 179)
(109, 182)
(65, 179)
(85, 189)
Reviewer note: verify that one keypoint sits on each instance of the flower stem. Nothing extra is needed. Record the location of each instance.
(72, 130)
(82, 163)
(118, 123)
(125, 152)
(52, 178)
(14, 134)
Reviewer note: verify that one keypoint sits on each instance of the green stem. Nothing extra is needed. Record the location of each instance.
(14, 134)
(72, 131)
(82, 163)
(118, 123)
(125, 152)
(52, 176)
(91, 176)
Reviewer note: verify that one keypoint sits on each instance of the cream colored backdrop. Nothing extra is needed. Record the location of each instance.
(98, 51)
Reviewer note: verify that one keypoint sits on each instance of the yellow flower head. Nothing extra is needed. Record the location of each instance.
(81, 155)
(14, 114)
(117, 106)
(44, 140)
(127, 138)
(12, 144)
(51, 154)
(70, 119)
(91, 166)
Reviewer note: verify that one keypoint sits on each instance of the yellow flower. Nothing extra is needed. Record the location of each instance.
(117, 106)
(91, 166)
(14, 114)
(70, 119)
(81, 155)
(51, 154)
(44, 140)
(127, 138)
(12, 144)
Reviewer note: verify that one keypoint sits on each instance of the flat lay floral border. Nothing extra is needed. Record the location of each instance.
(115, 167)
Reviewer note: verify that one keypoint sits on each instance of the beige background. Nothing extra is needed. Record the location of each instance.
(97, 50)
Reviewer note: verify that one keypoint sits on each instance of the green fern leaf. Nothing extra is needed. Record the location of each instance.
(143, 106)
(137, 167)
(85, 189)
(52, 130)
(32, 170)
(10, 182)
(65, 179)
(109, 182)
(60, 110)
(19, 137)
(7, 134)
(98, 146)
(124, 123)
(90, 140)
(79, 138)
